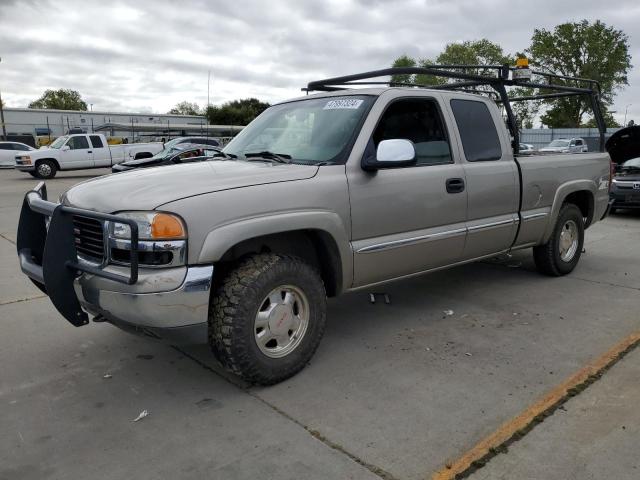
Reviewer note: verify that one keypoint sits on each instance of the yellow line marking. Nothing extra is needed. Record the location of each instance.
(548, 402)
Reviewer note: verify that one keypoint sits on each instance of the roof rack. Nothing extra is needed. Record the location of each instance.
(468, 78)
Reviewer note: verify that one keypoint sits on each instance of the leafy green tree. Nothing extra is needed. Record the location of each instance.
(470, 52)
(236, 112)
(403, 61)
(609, 121)
(186, 108)
(62, 99)
(475, 52)
(586, 50)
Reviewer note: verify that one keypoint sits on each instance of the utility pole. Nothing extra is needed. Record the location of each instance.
(206, 111)
(626, 109)
(4, 127)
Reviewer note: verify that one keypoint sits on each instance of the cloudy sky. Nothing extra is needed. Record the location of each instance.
(150, 54)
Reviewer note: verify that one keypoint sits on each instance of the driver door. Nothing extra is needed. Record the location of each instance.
(412, 219)
(79, 155)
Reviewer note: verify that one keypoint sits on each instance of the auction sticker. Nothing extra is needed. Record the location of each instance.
(350, 103)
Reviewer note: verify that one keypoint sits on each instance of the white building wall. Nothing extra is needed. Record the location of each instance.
(26, 120)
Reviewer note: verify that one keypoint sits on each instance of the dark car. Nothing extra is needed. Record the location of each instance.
(181, 153)
(194, 140)
(625, 187)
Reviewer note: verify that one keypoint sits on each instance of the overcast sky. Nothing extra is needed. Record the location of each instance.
(150, 54)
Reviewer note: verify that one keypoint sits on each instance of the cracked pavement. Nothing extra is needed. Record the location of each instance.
(395, 391)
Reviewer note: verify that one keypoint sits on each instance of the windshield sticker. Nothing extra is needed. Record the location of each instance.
(349, 103)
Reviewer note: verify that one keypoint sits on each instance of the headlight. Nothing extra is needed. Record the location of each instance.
(151, 226)
(162, 239)
(24, 160)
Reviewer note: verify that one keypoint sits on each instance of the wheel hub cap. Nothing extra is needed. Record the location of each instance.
(281, 321)
(568, 241)
(44, 169)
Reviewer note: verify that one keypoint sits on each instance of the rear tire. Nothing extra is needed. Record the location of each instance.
(561, 253)
(267, 317)
(45, 169)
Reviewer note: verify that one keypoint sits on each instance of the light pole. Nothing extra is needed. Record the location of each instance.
(91, 107)
(4, 127)
(625, 114)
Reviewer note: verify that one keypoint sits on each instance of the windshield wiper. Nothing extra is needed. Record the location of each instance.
(220, 153)
(276, 157)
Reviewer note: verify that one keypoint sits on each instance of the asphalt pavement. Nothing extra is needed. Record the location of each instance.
(395, 391)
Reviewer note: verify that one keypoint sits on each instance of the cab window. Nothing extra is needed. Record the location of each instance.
(478, 133)
(78, 143)
(418, 120)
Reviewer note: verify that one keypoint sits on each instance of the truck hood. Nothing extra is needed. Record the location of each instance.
(148, 188)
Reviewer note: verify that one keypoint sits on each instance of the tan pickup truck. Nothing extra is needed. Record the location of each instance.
(320, 195)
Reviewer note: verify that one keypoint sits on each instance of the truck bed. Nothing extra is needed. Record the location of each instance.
(543, 179)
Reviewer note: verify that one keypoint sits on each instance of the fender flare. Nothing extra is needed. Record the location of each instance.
(219, 240)
(562, 193)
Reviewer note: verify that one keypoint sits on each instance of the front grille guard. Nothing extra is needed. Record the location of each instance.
(49, 257)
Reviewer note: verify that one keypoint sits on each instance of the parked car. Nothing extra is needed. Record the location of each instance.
(195, 140)
(526, 149)
(625, 188)
(320, 195)
(181, 153)
(566, 145)
(79, 152)
(8, 151)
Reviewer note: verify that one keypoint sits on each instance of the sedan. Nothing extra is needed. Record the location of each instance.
(625, 186)
(526, 149)
(182, 153)
(8, 152)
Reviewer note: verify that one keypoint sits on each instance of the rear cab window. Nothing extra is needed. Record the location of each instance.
(96, 141)
(478, 133)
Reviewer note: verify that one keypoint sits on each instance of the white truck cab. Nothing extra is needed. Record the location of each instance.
(80, 151)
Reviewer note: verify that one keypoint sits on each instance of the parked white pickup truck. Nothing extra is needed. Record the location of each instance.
(76, 152)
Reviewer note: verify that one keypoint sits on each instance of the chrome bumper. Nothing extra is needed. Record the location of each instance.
(177, 316)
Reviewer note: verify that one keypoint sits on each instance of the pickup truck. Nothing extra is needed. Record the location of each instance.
(76, 152)
(325, 194)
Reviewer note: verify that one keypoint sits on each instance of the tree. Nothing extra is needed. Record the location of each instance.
(609, 121)
(403, 61)
(186, 108)
(62, 99)
(470, 52)
(475, 52)
(586, 50)
(236, 112)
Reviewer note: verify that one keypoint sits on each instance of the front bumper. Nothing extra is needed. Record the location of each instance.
(169, 304)
(625, 198)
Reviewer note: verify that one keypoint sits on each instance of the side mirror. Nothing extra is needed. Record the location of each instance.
(65, 148)
(393, 153)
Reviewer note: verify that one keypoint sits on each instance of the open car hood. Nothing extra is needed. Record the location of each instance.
(624, 144)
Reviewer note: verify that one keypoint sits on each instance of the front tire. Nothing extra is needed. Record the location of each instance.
(46, 169)
(267, 317)
(561, 253)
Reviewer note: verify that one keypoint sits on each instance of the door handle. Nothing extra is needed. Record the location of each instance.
(89, 151)
(455, 185)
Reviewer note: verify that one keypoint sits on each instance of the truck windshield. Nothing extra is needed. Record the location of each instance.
(311, 131)
(559, 143)
(58, 142)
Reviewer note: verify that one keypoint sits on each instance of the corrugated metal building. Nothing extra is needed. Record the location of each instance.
(133, 126)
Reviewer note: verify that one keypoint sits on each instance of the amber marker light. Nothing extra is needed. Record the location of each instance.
(167, 227)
